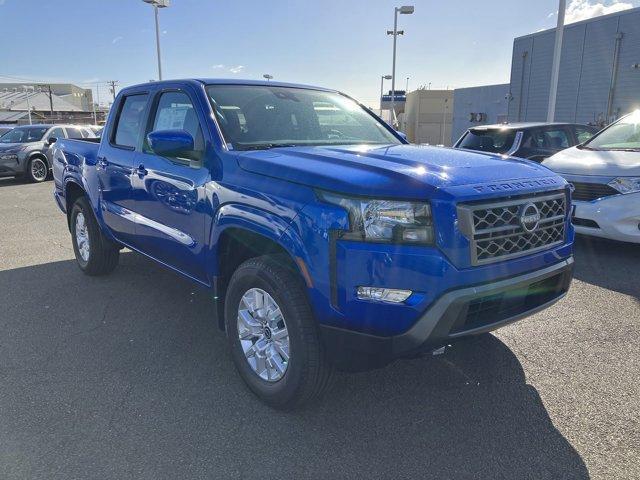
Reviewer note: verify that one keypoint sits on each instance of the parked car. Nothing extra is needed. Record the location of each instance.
(26, 150)
(5, 128)
(605, 173)
(325, 244)
(534, 141)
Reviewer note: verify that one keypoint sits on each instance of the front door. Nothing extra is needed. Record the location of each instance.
(169, 192)
(116, 158)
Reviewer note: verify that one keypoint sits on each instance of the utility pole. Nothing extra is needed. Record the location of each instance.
(113, 84)
(555, 68)
(50, 100)
(26, 91)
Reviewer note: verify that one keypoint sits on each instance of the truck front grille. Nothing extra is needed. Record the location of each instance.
(504, 229)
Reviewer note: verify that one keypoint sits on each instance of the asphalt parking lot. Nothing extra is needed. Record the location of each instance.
(127, 376)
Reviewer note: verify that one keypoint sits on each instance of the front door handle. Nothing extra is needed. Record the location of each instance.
(102, 162)
(141, 171)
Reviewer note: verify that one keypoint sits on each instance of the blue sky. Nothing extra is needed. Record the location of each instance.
(335, 43)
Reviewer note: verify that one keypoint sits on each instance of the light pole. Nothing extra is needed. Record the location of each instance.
(26, 91)
(404, 10)
(555, 66)
(268, 77)
(156, 5)
(407, 87)
(382, 79)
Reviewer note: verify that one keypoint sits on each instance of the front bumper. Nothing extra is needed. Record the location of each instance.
(10, 165)
(616, 217)
(457, 313)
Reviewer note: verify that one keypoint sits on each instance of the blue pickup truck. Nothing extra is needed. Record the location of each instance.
(327, 241)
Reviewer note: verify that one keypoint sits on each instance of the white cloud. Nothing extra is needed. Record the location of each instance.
(117, 39)
(583, 9)
(231, 69)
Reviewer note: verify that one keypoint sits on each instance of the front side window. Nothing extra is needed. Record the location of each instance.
(623, 135)
(175, 111)
(24, 135)
(583, 134)
(488, 140)
(129, 125)
(57, 133)
(254, 117)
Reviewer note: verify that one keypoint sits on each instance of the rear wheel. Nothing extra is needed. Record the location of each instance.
(273, 336)
(37, 170)
(95, 254)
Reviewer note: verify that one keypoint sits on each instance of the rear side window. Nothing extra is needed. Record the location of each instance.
(74, 132)
(495, 141)
(130, 118)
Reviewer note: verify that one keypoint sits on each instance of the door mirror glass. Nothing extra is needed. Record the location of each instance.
(52, 140)
(171, 143)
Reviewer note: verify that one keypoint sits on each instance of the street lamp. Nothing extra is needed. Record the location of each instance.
(404, 10)
(156, 5)
(382, 79)
(268, 77)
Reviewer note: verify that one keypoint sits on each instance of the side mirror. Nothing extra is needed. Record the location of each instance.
(402, 135)
(171, 143)
(51, 140)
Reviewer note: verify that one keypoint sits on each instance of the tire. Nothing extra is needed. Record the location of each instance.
(37, 170)
(95, 254)
(307, 373)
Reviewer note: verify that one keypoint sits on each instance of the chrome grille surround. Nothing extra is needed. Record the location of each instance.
(495, 232)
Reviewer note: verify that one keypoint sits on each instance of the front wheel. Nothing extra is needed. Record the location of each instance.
(37, 170)
(272, 334)
(94, 253)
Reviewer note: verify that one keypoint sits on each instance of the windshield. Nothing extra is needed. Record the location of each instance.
(495, 141)
(255, 117)
(622, 135)
(24, 135)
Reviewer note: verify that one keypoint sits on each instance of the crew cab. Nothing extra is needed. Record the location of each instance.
(532, 140)
(327, 241)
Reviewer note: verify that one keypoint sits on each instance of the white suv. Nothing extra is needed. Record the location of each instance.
(605, 172)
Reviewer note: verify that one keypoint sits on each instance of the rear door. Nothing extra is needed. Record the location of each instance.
(169, 192)
(116, 158)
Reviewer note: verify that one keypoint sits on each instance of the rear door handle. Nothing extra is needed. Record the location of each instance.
(141, 171)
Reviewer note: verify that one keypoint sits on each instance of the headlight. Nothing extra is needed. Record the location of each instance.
(626, 184)
(385, 220)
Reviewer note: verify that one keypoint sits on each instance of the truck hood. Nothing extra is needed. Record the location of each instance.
(578, 161)
(396, 171)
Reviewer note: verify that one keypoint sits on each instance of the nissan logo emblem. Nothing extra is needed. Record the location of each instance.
(529, 217)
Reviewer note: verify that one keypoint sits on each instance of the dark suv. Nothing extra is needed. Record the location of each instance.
(535, 141)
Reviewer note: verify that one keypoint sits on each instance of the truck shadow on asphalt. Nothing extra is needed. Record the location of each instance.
(608, 264)
(128, 376)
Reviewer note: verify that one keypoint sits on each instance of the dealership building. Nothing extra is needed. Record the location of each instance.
(599, 77)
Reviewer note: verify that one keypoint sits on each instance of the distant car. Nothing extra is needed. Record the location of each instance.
(4, 129)
(26, 150)
(534, 141)
(96, 129)
(605, 173)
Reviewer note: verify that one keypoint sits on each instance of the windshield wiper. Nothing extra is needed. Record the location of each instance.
(263, 146)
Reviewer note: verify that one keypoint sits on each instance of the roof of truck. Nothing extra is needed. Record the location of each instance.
(235, 81)
(520, 125)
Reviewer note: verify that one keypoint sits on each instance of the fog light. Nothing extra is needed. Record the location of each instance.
(383, 294)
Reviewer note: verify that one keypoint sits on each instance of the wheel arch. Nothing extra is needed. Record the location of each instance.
(242, 233)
